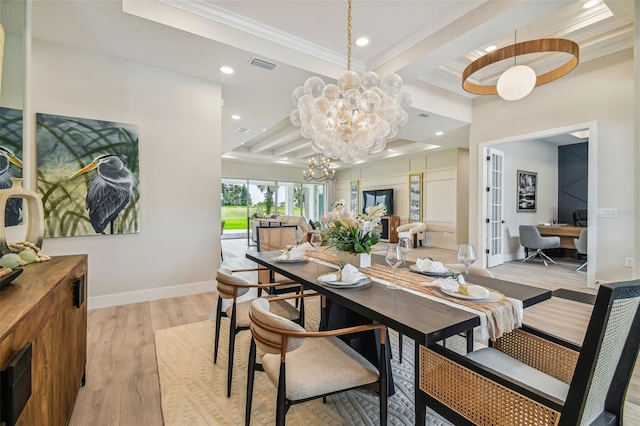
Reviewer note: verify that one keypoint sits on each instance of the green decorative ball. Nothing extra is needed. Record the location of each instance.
(28, 255)
(10, 260)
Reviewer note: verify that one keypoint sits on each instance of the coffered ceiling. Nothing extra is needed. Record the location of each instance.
(429, 43)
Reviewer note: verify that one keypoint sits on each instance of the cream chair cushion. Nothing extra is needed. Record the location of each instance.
(226, 275)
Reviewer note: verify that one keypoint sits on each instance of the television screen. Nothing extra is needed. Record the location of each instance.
(373, 197)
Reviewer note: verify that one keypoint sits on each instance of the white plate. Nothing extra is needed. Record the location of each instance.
(342, 284)
(414, 268)
(298, 260)
(477, 293)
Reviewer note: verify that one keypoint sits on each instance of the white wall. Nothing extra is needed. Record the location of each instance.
(443, 203)
(178, 118)
(531, 156)
(600, 90)
(242, 170)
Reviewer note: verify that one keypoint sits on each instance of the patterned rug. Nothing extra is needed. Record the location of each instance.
(193, 389)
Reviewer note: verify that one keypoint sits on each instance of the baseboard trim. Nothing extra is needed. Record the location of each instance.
(118, 299)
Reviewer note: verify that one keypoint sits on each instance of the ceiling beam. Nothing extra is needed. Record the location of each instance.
(287, 135)
(294, 146)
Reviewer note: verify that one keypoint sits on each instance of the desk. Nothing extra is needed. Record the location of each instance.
(566, 234)
(423, 320)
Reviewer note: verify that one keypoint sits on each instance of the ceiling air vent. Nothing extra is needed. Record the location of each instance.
(262, 63)
(424, 114)
(242, 130)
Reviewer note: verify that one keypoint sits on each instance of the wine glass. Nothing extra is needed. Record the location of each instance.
(405, 247)
(316, 240)
(394, 258)
(466, 256)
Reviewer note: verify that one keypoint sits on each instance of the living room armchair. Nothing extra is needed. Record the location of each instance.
(411, 230)
(529, 375)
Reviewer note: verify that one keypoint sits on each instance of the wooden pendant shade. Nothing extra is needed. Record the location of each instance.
(523, 48)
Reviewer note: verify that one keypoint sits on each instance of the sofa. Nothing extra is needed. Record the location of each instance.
(299, 221)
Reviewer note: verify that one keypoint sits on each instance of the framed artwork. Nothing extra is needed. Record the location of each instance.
(354, 188)
(88, 176)
(11, 161)
(527, 187)
(415, 197)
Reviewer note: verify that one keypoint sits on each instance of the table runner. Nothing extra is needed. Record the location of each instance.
(496, 318)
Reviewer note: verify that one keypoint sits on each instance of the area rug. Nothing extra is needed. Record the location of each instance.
(193, 389)
(576, 296)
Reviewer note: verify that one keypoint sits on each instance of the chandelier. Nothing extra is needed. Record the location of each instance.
(353, 118)
(519, 80)
(318, 170)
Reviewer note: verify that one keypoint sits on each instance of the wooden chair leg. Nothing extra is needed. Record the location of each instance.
(217, 335)
(250, 377)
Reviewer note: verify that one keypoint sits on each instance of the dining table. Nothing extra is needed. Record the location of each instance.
(422, 319)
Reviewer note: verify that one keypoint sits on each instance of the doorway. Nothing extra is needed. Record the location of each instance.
(510, 239)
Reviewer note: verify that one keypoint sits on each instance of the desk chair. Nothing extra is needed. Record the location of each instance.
(580, 218)
(231, 287)
(307, 365)
(530, 238)
(530, 374)
(581, 246)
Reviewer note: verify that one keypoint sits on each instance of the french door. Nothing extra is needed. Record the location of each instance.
(494, 208)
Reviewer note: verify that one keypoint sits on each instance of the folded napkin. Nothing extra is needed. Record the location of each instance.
(428, 265)
(451, 285)
(293, 253)
(350, 275)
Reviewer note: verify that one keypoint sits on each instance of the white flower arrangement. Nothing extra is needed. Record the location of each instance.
(352, 232)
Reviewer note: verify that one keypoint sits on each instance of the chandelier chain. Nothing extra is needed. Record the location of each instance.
(349, 37)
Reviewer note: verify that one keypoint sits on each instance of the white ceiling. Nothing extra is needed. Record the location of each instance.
(429, 43)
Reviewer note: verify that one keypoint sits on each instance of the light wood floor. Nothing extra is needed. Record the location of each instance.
(122, 377)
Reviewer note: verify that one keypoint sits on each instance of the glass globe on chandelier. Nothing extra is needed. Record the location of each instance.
(353, 118)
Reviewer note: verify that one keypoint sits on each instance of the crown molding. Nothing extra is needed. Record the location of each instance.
(239, 22)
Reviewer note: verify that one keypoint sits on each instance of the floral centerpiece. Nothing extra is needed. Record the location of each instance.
(351, 232)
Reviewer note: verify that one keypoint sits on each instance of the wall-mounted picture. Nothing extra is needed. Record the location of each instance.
(354, 187)
(527, 186)
(88, 176)
(11, 160)
(415, 197)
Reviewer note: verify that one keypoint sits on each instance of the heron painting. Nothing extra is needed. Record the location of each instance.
(10, 160)
(88, 176)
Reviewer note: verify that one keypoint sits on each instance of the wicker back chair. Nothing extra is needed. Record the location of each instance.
(276, 238)
(306, 365)
(230, 288)
(531, 378)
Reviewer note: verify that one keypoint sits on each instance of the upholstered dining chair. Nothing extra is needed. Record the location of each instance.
(230, 288)
(528, 374)
(307, 365)
(411, 231)
(473, 269)
(530, 238)
(581, 246)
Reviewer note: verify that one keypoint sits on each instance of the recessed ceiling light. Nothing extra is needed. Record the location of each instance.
(226, 70)
(490, 48)
(235, 117)
(362, 41)
(439, 133)
(590, 4)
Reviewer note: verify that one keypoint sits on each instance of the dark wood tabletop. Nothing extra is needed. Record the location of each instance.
(417, 317)
(424, 320)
